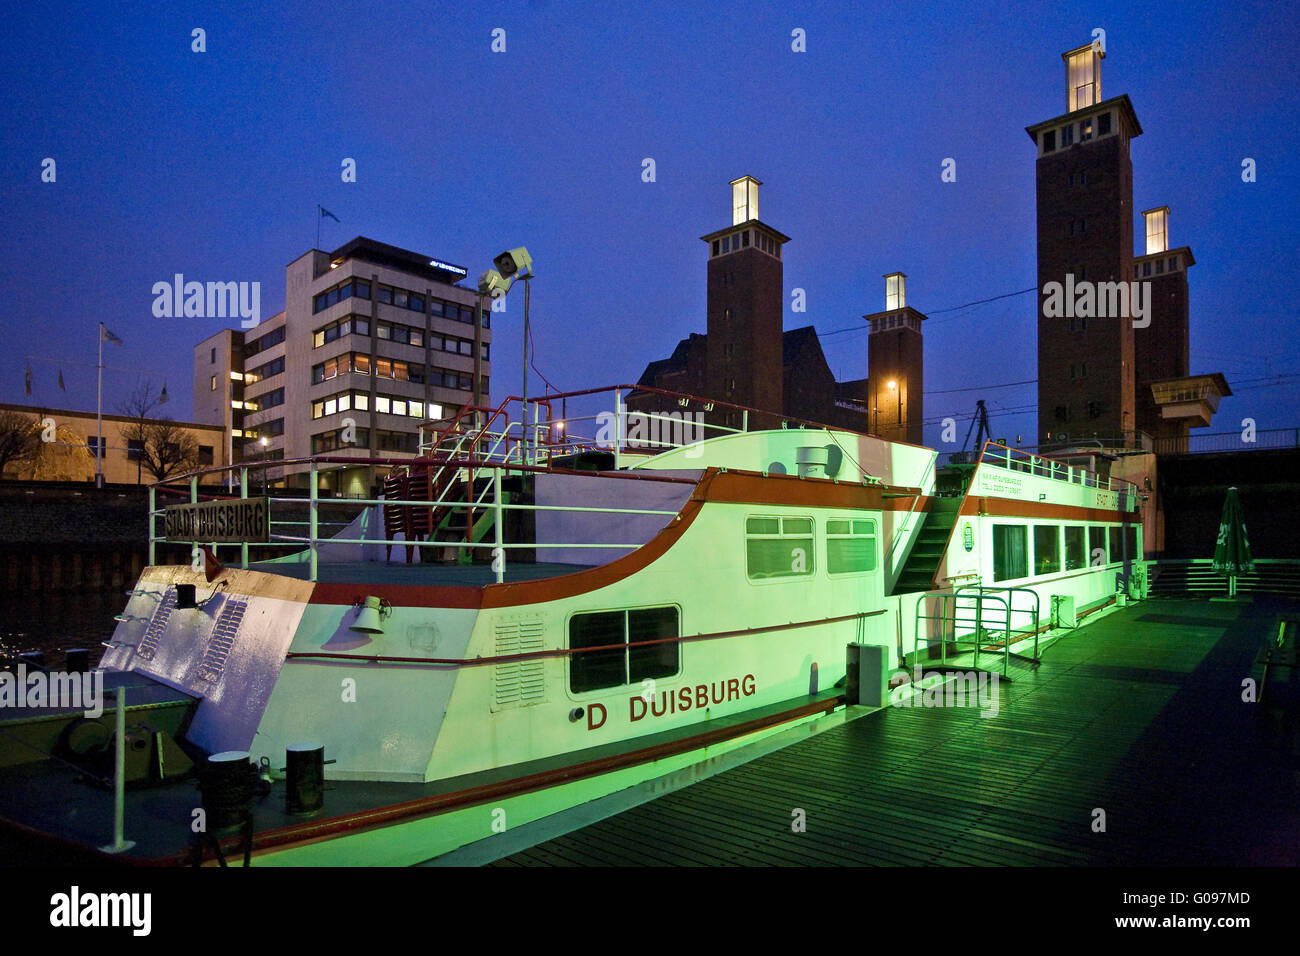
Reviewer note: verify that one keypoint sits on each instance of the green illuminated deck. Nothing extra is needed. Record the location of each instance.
(1138, 714)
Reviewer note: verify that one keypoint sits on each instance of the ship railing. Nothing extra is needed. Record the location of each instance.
(1043, 466)
(963, 619)
(631, 422)
(490, 497)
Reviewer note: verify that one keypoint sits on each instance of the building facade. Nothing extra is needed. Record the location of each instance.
(137, 451)
(373, 341)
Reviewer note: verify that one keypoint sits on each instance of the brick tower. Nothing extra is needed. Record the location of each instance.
(895, 406)
(745, 308)
(1085, 235)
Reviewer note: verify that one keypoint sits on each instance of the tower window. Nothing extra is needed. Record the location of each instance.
(1049, 141)
(1103, 124)
(212, 358)
(1160, 266)
(744, 239)
(726, 243)
(1062, 413)
(1173, 263)
(1067, 135)
(1085, 130)
(716, 245)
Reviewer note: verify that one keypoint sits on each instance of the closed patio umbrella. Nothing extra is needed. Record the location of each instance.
(1232, 550)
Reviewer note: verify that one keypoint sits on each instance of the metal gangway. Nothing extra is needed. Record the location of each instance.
(989, 616)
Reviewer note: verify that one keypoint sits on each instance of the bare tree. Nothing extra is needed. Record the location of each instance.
(168, 449)
(143, 399)
(20, 439)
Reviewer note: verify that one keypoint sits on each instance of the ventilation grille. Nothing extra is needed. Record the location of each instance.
(157, 626)
(519, 683)
(222, 639)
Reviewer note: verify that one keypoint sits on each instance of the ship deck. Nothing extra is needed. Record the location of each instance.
(1138, 714)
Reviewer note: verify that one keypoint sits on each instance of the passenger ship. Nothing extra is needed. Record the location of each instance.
(527, 621)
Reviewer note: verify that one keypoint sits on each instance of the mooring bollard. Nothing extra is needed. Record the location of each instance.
(304, 777)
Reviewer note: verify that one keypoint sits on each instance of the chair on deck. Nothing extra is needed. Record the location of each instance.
(394, 515)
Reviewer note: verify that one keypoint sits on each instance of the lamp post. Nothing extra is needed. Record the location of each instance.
(510, 265)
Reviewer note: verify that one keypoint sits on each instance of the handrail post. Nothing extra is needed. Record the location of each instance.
(313, 525)
(153, 545)
(120, 843)
(243, 493)
(619, 425)
(498, 552)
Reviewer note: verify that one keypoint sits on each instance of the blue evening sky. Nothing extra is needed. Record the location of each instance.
(212, 164)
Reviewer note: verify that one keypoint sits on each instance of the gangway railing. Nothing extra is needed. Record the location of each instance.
(985, 629)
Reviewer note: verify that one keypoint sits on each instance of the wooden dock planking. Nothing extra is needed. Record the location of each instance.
(1126, 714)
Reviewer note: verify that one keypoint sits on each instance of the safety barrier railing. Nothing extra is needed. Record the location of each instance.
(495, 470)
(984, 630)
(1013, 459)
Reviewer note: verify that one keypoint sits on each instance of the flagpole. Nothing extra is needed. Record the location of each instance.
(99, 415)
(318, 219)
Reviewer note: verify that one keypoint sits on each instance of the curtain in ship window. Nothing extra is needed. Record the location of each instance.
(778, 547)
(1010, 551)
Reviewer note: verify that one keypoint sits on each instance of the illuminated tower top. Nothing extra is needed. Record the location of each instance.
(1083, 77)
(1157, 229)
(744, 200)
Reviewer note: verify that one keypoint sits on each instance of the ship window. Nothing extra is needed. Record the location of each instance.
(1010, 552)
(1076, 548)
(1097, 546)
(614, 666)
(1116, 545)
(773, 553)
(1047, 548)
(1131, 542)
(850, 546)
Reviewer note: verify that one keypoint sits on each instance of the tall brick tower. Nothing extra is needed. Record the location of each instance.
(895, 406)
(1085, 234)
(745, 306)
